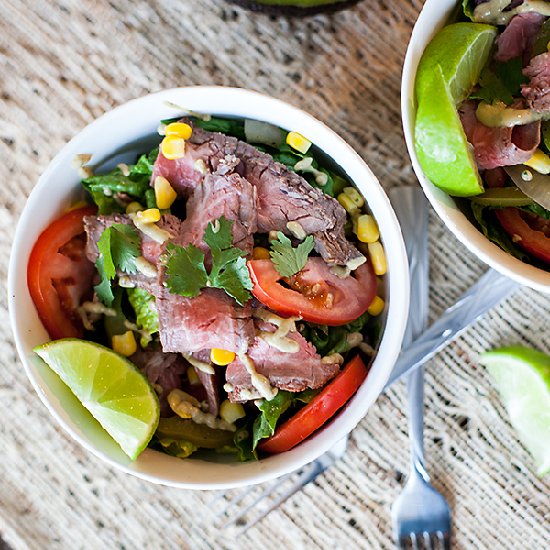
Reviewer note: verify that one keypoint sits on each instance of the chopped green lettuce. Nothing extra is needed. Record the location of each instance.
(147, 317)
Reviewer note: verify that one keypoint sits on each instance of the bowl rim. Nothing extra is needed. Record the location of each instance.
(435, 15)
(276, 112)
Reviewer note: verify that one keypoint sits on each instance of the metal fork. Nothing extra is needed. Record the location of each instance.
(421, 516)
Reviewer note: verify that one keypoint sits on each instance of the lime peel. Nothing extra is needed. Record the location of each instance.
(449, 68)
(522, 378)
(112, 388)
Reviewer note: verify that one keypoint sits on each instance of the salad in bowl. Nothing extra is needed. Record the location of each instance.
(214, 291)
(476, 110)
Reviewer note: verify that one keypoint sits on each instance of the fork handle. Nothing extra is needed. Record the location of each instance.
(415, 396)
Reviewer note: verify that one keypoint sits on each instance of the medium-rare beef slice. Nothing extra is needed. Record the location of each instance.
(150, 249)
(283, 195)
(220, 195)
(537, 90)
(210, 382)
(288, 371)
(210, 320)
(163, 370)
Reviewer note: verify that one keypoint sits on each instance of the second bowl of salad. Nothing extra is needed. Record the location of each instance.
(476, 110)
(208, 287)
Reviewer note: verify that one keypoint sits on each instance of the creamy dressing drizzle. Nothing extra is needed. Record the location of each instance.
(152, 230)
(186, 406)
(305, 165)
(259, 381)
(492, 12)
(278, 339)
(201, 365)
(499, 115)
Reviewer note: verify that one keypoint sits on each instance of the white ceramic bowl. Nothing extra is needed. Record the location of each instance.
(434, 16)
(131, 129)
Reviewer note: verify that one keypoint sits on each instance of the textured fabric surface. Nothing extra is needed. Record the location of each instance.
(63, 63)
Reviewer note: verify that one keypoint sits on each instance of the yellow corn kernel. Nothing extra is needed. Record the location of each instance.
(376, 307)
(378, 258)
(164, 193)
(260, 253)
(222, 356)
(173, 147)
(540, 162)
(192, 376)
(298, 141)
(348, 204)
(179, 129)
(367, 229)
(355, 196)
(133, 207)
(125, 344)
(150, 215)
(230, 412)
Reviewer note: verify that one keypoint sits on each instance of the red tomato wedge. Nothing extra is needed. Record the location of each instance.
(59, 275)
(528, 231)
(319, 410)
(315, 293)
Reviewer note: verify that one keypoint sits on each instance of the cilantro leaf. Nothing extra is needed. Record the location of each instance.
(235, 280)
(185, 271)
(219, 234)
(118, 246)
(125, 247)
(500, 82)
(288, 260)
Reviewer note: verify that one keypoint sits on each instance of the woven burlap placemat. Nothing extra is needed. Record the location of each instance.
(65, 62)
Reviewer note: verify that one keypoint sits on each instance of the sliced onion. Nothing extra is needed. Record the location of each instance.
(532, 183)
(263, 132)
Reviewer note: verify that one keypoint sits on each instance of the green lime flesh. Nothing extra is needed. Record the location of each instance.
(449, 69)
(117, 395)
(522, 378)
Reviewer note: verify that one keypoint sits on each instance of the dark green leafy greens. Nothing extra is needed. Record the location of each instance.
(107, 188)
(490, 227)
(186, 273)
(537, 209)
(271, 411)
(328, 340)
(500, 82)
(119, 246)
(468, 6)
(543, 37)
(289, 260)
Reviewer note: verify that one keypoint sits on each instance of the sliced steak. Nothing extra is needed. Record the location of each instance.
(163, 370)
(501, 146)
(537, 91)
(518, 37)
(288, 371)
(210, 320)
(210, 382)
(150, 249)
(219, 195)
(283, 195)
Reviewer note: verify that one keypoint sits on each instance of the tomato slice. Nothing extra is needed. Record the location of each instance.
(529, 231)
(319, 410)
(315, 293)
(59, 274)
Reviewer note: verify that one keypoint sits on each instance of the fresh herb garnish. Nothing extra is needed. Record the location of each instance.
(500, 82)
(289, 260)
(186, 273)
(119, 246)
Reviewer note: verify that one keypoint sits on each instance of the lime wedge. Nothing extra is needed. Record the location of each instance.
(522, 377)
(449, 68)
(117, 395)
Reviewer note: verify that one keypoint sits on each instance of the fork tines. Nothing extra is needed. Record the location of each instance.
(437, 540)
